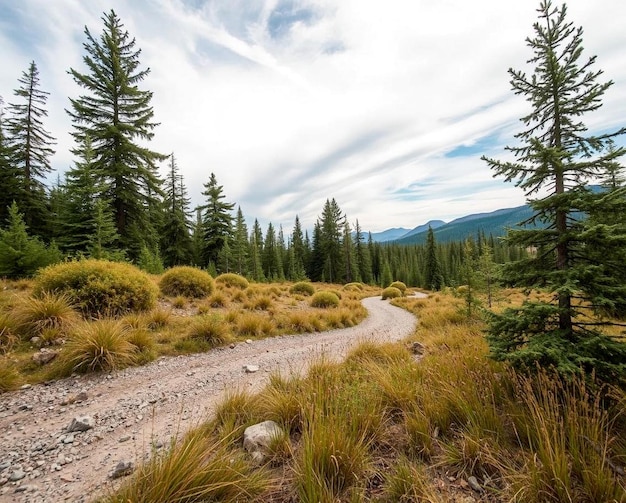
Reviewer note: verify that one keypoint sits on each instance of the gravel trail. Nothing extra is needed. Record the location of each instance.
(40, 461)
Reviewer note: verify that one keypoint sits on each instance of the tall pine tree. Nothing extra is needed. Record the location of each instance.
(30, 149)
(216, 221)
(116, 114)
(557, 155)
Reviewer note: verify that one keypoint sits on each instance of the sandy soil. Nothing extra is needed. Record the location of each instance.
(139, 407)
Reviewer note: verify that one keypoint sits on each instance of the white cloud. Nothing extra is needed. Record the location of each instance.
(352, 99)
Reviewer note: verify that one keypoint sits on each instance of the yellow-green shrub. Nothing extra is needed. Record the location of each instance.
(391, 292)
(324, 299)
(47, 312)
(188, 281)
(233, 280)
(399, 285)
(303, 288)
(99, 287)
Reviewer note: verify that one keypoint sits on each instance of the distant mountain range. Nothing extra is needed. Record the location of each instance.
(495, 223)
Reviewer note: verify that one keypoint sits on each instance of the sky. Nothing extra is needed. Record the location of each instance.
(386, 107)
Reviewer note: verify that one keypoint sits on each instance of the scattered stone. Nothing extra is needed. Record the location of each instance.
(81, 397)
(122, 469)
(69, 439)
(125, 438)
(4, 465)
(17, 475)
(248, 341)
(232, 345)
(473, 483)
(82, 423)
(44, 356)
(257, 438)
(66, 477)
(25, 386)
(250, 369)
(417, 348)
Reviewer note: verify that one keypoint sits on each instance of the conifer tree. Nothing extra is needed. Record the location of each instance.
(364, 261)
(316, 260)
(331, 227)
(9, 175)
(241, 246)
(176, 244)
(558, 155)
(216, 221)
(30, 149)
(116, 114)
(271, 258)
(298, 252)
(21, 254)
(349, 256)
(256, 247)
(433, 275)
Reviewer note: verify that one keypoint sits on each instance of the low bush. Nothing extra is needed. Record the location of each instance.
(391, 292)
(99, 287)
(303, 288)
(187, 281)
(353, 287)
(399, 285)
(101, 345)
(210, 329)
(232, 280)
(47, 312)
(325, 299)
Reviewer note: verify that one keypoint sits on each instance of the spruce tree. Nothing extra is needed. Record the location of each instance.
(298, 252)
(216, 221)
(331, 226)
(116, 114)
(176, 245)
(256, 247)
(21, 254)
(364, 261)
(432, 275)
(9, 174)
(271, 258)
(556, 154)
(30, 149)
(241, 246)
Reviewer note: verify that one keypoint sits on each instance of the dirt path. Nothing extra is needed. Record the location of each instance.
(137, 407)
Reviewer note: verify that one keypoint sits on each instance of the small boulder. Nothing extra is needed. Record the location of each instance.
(122, 469)
(257, 439)
(251, 369)
(44, 356)
(82, 423)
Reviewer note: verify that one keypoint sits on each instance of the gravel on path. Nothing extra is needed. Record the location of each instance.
(139, 408)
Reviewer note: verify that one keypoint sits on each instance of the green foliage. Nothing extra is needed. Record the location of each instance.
(391, 292)
(434, 276)
(150, 261)
(216, 221)
(187, 281)
(302, 288)
(232, 280)
(117, 116)
(30, 149)
(99, 287)
(324, 298)
(578, 252)
(20, 254)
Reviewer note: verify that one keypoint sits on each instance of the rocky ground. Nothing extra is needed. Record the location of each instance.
(63, 441)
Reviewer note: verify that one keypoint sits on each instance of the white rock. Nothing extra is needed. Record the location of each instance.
(257, 438)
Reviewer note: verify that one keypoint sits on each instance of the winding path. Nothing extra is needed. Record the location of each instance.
(140, 406)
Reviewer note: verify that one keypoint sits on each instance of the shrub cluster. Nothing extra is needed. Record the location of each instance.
(99, 287)
(391, 292)
(187, 281)
(400, 286)
(303, 288)
(325, 299)
(233, 280)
